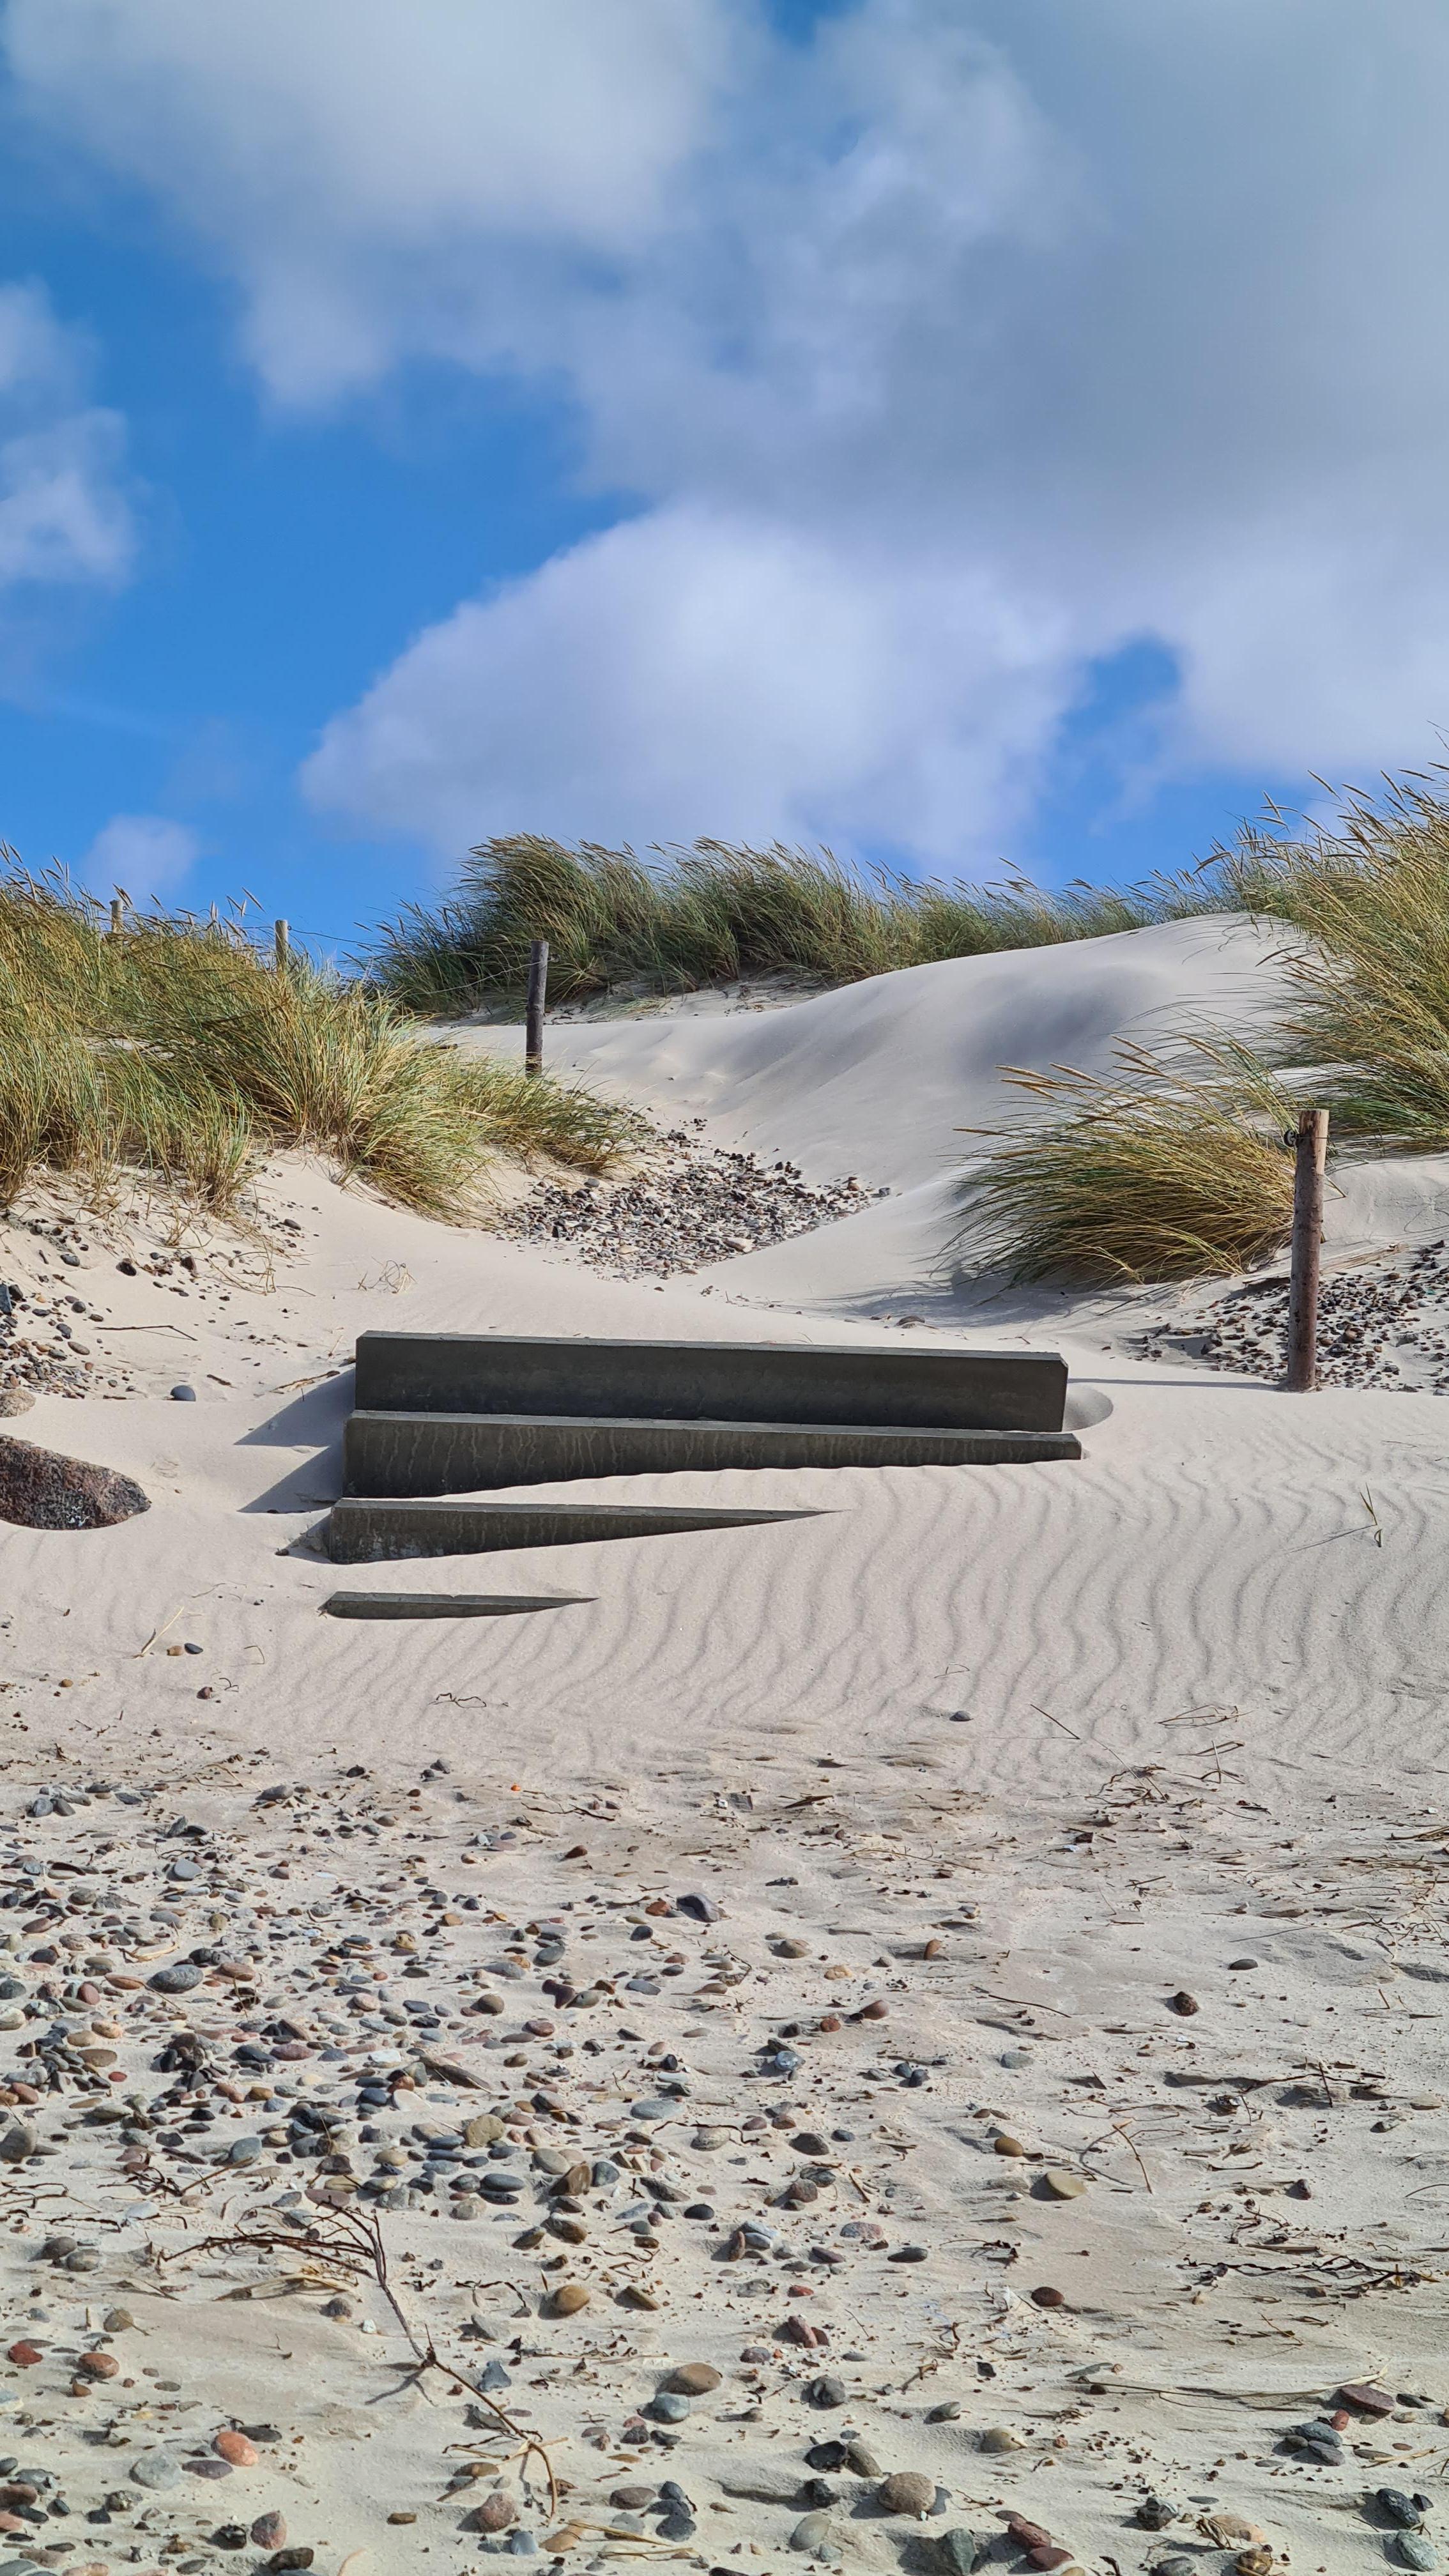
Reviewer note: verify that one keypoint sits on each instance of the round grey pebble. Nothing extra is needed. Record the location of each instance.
(826, 2391)
(1413, 2550)
(178, 1980)
(183, 1395)
(156, 2469)
(670, 2407)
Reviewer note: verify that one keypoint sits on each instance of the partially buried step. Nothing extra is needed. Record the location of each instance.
(371, 1530)
(447, 1605)
(389, 1454)
(833, 1385)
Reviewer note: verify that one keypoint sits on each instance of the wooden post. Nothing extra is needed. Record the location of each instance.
(537, 997)
(1311, 1154)
(115, 916)
(281, 938)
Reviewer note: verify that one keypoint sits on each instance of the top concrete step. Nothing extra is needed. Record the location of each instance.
(814, 1383)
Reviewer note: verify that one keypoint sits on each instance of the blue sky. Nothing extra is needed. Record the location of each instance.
(970, 434)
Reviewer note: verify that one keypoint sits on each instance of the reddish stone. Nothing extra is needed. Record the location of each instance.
(26, 2354)
(1367, 2399)
(229, 2445)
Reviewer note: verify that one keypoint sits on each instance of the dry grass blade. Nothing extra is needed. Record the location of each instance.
(1170, 1168)
(351, 2242)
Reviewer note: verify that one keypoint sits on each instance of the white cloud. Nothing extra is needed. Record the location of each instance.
(361, 168)
(941, 356)
(139, 855)
(687, 668)
(64, 516)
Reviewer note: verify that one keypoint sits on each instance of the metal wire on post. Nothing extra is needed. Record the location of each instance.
(537, 1000)
(1310, 1146)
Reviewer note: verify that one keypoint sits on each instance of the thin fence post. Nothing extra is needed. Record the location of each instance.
(281, 940)
(537, 998)
(1310, 1157)
(116, 915)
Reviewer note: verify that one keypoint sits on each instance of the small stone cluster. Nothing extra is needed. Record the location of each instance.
(692, 1204)
(1384, 1324)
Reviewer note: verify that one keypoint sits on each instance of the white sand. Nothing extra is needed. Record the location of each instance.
(955, 1671)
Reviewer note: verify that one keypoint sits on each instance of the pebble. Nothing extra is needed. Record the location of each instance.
(1001, 2437)
(269, 2531)
(1407, 2511)
(495, 2513)
(812, 2535)
(826, 2391)
(906, 2491)
(1413, 2550)
(1365, 2399)
(959, 2552)
(1155, 2513)
(1062, 2185)
(233, 2446)
(692, 2379)
(156, 2469)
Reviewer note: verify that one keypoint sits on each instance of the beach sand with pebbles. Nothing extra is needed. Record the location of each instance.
(913, 2037)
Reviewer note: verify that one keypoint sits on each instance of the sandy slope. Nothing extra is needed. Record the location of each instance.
(986, 1672)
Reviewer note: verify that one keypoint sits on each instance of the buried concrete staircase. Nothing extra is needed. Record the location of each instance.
(459, 1413)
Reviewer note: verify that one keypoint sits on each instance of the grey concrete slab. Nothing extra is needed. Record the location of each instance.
(446, 1605)
(459, 1453)
(373, 1531)
(910, 1388)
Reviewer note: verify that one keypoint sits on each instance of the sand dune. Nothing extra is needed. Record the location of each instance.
(1120, 1705)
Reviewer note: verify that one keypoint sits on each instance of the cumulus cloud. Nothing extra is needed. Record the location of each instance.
(64, 517)
(941, 356)
(728, 670)
(139, 855)
(369, 173)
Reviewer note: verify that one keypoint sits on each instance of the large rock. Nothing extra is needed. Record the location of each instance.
(41, 1490)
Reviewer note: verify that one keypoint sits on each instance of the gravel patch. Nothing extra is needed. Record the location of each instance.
(1385, 1324)
(693, 1204)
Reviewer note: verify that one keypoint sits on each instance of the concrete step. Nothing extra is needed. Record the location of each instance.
(832, 1385)
(392, 1453)
(371, 1531)
(446, 1605)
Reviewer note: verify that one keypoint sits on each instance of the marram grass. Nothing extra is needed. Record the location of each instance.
(176, 1050)
(1371, 989)
(1170, 1168)
(690, 918)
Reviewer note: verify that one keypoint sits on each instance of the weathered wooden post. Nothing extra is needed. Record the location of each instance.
(537, 997)
(116, 916)
(281, 941)
(1310, 1157)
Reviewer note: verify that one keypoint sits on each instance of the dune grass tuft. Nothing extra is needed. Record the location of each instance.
(1172, 1167)
(708, 915)
(178, 1051)
(1372, 894)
